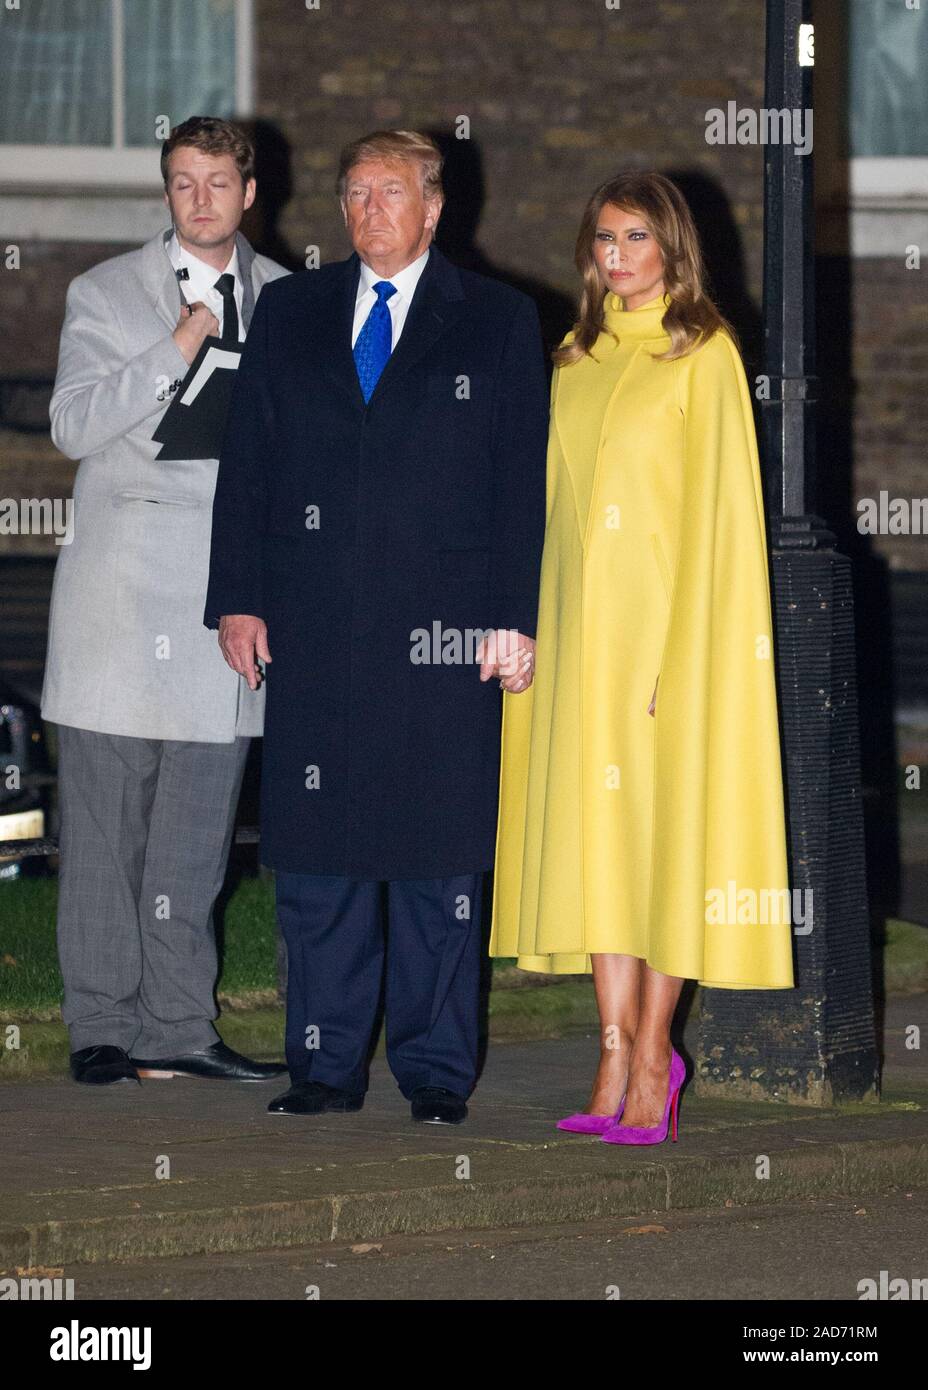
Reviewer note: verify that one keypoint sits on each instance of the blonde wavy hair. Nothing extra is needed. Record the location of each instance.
(691, 317)
(396, 147)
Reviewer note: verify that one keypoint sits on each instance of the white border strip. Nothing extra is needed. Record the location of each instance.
(889, 180)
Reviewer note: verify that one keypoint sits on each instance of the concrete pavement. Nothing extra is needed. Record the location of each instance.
(184, 1167)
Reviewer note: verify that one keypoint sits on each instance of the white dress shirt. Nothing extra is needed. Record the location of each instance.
(203, 277)
(405, 281)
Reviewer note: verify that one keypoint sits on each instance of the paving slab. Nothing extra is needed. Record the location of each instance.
(184, 1167)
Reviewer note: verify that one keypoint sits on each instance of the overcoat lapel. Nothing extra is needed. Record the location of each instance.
(435, 305)
(338, 359)
(159, 279)
(246, 258)
(161, 283)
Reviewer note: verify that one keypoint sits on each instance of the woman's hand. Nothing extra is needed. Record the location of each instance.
(517, 672)
(510, 656)
(653, 703)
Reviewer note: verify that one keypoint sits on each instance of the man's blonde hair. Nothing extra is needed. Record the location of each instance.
(395, 146)
(211, 135)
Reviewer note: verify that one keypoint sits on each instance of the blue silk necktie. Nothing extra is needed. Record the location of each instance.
(372, 347)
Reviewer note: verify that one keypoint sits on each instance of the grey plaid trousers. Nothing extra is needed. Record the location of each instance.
(146, 826)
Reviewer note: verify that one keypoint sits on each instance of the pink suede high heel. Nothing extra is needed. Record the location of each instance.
(591, 1124)
(654, 1134)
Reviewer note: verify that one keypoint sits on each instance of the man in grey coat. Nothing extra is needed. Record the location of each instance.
(153, 726)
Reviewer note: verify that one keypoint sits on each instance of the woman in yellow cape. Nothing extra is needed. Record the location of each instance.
(641, 824)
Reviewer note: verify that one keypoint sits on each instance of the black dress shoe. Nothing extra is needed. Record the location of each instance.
(313, 1097)
(218, 1063)
(100, 1066)
(433, 1105)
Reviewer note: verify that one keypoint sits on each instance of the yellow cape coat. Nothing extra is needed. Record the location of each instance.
(662, 836)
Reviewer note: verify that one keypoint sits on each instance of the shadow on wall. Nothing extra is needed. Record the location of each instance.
(274, 175)
(457, 236)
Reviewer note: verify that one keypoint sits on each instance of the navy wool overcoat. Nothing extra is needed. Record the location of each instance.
(354, 529)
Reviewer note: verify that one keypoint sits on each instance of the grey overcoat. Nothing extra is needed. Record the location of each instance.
(127, 649)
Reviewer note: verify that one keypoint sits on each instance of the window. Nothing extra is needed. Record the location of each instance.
(83, 82)
(888, 100)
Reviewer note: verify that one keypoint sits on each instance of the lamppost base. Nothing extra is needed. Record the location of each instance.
(814, 1044)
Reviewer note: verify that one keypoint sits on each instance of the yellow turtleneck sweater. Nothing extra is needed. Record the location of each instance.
(583, 412)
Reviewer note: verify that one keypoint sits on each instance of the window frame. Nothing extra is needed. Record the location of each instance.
(889, 180)
(132, 168)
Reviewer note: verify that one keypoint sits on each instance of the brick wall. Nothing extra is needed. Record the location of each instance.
(889, 414)
(559, 95)
(33, 302)
(30, 323)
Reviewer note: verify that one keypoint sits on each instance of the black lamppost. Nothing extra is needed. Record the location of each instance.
(816, 1043)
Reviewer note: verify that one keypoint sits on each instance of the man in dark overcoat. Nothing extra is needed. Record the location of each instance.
(377, 531)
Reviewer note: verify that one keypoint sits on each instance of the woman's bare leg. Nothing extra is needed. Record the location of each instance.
(617, 981)
(649, 1067)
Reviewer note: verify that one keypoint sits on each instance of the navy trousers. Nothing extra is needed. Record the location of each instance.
(340, 933)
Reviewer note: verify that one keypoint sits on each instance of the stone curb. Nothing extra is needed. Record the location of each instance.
(578, 1190)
